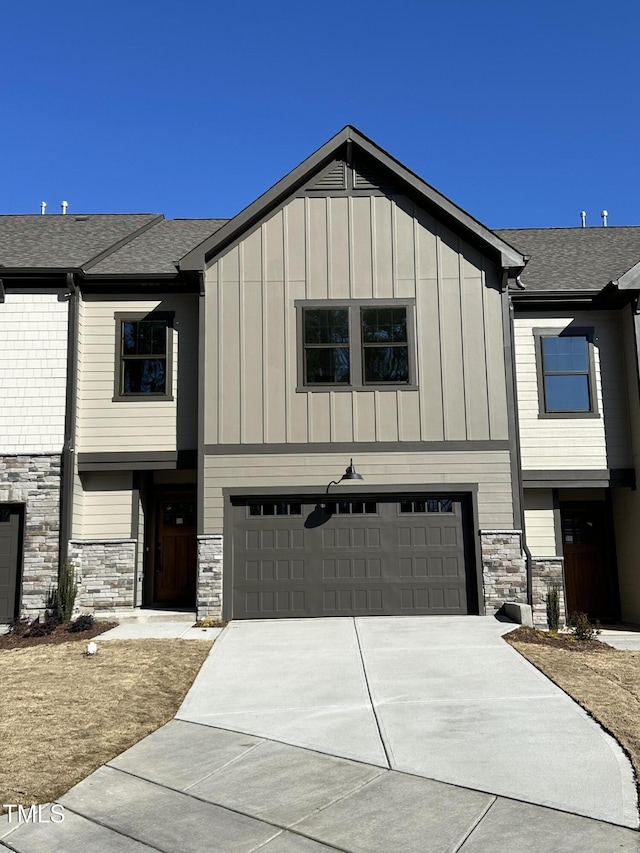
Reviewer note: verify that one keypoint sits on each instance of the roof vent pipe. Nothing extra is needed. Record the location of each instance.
(604, 215)
(43, 207)
(583, 218)
(63, 206)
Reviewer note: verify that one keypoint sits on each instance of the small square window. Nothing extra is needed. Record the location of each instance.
(566, 372)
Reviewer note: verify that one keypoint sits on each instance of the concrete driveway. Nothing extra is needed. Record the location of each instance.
(442, 697)
(358, 735)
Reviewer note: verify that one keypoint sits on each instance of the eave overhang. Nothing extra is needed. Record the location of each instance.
(477, 233)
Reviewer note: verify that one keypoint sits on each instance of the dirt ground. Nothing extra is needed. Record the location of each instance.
(61, 634)
(605, 681)
(63, 715)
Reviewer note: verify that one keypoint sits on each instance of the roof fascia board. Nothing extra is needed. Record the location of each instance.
(196, 259)
(510, 257)
(630, 280)
(123, 242)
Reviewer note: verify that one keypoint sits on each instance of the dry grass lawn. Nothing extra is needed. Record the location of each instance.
(63, 715)
(606, 682)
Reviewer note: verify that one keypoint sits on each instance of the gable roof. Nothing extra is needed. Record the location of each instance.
(575, 259)
(57, 242)
(342, 142)
(157, 250)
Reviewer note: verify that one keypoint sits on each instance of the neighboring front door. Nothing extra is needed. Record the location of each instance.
(9, 560)
(590, 584)
(175, 558)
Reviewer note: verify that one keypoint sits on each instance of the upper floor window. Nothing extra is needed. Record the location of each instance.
(566, 375)
(359, 344)
(143, 355)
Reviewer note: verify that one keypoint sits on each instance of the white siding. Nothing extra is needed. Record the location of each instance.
(574, 443)
(539, 522)
(33, 373)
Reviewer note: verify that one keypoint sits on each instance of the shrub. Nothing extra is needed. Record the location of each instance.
(65, 594)
(553, 608)
(582, 628)
(84, 622)
(36, 628)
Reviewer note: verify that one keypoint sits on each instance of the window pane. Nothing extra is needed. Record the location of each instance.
(569, 393)
(129, 332)
(386, 364)
(144, 376)
(384, 325)
(159, 338)
(295, 509)
(327, 365)
(255, 509)
(326, 326)
(144, 338)
(565, 354)
(406, 506)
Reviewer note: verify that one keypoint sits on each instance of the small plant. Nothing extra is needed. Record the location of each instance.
(553, 608)
(210, 622)
(84, 622)
(65, 594)
(581, 628)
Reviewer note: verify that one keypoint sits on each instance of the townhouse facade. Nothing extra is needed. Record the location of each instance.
(351, 398)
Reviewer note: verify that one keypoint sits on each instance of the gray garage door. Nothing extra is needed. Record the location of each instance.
(10, 517)
(379, 555)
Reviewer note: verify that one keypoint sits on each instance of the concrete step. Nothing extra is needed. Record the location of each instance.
(144, 615)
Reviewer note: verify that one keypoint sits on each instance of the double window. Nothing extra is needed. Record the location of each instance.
(356, 345)
(143, 356)
(566, 373)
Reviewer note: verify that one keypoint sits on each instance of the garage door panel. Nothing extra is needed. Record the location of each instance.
(379, 556)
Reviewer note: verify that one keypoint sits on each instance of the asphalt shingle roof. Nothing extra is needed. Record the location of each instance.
(157, 250)
(57, 241)
(575, 258)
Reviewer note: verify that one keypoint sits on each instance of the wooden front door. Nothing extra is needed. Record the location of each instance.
(176, 558)
(589, 578)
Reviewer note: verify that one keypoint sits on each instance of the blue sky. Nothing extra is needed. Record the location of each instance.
(521, 113)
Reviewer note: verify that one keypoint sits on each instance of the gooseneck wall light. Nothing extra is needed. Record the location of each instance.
(349, 474)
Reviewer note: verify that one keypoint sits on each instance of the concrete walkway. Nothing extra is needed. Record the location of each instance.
(362, 736)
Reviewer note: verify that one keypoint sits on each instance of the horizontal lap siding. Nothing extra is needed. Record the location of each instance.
(127, 426)
(106, 506)
(574, 443)
(490, 470)
(352, 248)
(539, 522)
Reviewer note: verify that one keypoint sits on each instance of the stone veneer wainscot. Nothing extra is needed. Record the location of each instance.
(105, 572)
(33, 480)
(504, 570)
(209, 589)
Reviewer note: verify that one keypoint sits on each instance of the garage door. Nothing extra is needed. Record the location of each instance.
(10, 517)
(382, 555)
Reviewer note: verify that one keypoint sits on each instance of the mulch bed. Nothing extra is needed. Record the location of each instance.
(556, 641)
(61, 634)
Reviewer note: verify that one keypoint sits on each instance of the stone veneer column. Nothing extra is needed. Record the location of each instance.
(105, 572)
(209, 587)
(546, 571)
(504, 569)
(33, 480)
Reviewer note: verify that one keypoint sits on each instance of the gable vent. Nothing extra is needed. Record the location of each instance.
(368, 176)
(334, 179)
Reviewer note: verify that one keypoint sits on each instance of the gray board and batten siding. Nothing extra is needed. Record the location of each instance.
(342, 249)
(348, 250)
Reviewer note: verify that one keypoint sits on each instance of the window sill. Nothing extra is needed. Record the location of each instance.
(314, 389)
(147, 398)
(567, 415)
